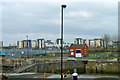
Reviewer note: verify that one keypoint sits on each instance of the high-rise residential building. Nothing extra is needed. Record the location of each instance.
(91, 43)
(26, 44)
(19, 44)
(99, 42)
(48, 42)
(79, 41)
(96, 43)
(84, 41)
(41, 43)
(1, 44)
(33, 43)
(58, 41)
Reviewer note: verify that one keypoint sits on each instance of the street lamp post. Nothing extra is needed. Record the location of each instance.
(62, 6)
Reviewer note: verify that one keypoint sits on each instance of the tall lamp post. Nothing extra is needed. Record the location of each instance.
(62, 6)
(27, 45)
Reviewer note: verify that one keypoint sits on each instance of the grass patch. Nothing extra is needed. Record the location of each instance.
(45, 57)
(99, 58)
(49, 56)
(96, 51)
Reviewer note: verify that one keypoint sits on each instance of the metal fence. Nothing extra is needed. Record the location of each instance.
(103, 55)
(17, 53)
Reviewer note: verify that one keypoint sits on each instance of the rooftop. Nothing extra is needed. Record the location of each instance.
(77, 45)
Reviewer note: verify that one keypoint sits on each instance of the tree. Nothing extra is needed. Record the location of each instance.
(107, 40)
(114, 38)
(36, 47)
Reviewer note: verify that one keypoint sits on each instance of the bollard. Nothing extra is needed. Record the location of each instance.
(44, 75)
(81, 57)
(62, 75)
(40, 56)
(52, 72)
(75, 75)
(9, 62)
(68, 73)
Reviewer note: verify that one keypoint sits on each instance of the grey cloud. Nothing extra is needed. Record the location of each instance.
(79, 19)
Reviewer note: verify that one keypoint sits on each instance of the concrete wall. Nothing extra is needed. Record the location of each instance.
(67, 65)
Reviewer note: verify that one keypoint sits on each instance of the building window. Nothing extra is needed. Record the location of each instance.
(72, 51)
(85, 51)
(78, 51)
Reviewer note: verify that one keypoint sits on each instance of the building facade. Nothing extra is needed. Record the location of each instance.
(58, 41)
(48, 42)
(26, 44)
(96, 43)
(78, 50)
(1, 44)
(41, 43)
(19, 44)
(33, 43)
(79, 41)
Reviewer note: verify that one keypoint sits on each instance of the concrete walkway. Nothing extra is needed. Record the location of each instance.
(40, 76)
(86, 77)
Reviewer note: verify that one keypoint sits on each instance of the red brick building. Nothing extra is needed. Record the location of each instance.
(78, 50)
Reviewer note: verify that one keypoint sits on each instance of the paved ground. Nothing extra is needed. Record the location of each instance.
(28, 75)
(87, 77)
(40, 76)
(60, 79)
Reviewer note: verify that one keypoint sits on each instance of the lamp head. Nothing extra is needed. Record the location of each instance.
(63, 6)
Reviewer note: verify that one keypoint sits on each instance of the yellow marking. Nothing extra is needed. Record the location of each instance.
(68, 73)
(52, 72)
(44, 75)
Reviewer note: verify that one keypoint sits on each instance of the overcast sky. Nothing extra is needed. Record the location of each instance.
(87, 20)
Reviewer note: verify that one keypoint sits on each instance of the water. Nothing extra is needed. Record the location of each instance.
(17, 74)
(55, 76)
(87, 76)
